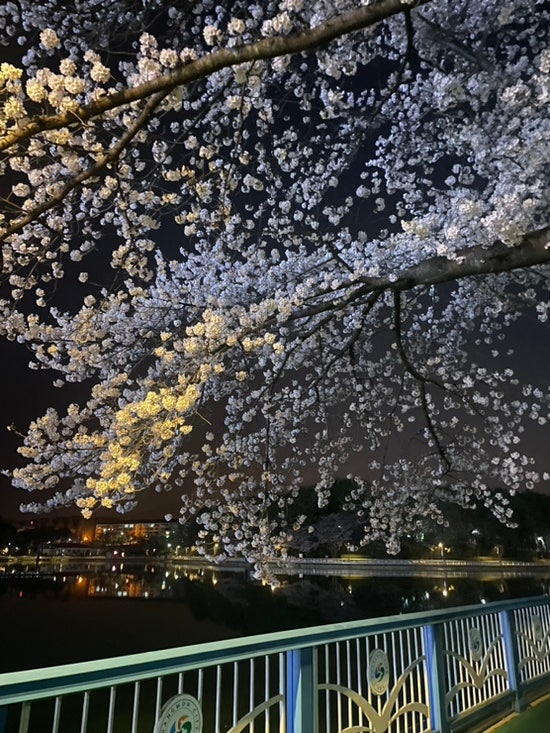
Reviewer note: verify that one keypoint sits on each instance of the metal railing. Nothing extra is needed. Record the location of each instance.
(447, 671)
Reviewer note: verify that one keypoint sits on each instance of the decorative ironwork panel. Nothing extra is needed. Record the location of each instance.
(533, 639)
(474, 654)
(376, 683)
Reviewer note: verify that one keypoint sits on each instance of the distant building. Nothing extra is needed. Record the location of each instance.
(129, 533)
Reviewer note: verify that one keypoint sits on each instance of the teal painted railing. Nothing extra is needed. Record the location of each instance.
(447, 670)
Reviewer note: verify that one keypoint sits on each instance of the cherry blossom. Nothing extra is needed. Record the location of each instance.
(298, 237)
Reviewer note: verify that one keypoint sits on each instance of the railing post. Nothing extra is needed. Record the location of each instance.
(436, 678)
(512, 659)
(3, 719)
(301, 691)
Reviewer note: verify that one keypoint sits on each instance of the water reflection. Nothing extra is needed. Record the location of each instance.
(402, 589)
(120, 608)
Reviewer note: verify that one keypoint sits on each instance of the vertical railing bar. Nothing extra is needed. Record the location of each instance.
(386, 638)
(57, 714)
(534, 665)
(111, 713)
(218, 697)
(450, 664)
(393, 637)
(444, 634)
(409, 686)
(416, 689)
(537, 667)
(235, 692)
(512, 659)
(301, 690)
(266, 693)
(494, 633)
(436, 675)
(85, 708)
(491, 690)
(519, 623)
(454, 670)
(502, 658)
(467, 700)
(327, 692)
(200, 685)
(420, 673)
(348, 675)
(477, 694)
(485, 691)
(458, 669)
(403, 666)
(359, 677)
(402, 650)
(541, 662)
(338, 682)
(180, 683)
(251, 696)
(417, 653)
(282, 691)
(24, 718)
(546, 624)
(456, 644)
(497, 631)
(368, 641)
(158, 699)
(135, 708)
(487, 688)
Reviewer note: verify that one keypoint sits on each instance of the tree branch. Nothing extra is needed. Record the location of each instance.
(532, 249)
(422, 382)
(268, 48)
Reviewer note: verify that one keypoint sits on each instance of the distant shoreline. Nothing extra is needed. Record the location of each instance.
(345, 567)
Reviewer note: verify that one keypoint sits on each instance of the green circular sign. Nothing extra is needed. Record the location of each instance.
(476, 644)
(181, 714)
(379, 671)
(536, 626)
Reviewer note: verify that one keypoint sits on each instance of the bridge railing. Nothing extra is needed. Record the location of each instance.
(447, 670)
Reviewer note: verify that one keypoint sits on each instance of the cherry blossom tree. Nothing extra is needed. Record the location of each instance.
(296, 235)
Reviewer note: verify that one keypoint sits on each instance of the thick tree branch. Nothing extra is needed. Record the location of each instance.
(532, 249)
(268, 48)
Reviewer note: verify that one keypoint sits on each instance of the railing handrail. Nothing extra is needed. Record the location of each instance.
(62, 679)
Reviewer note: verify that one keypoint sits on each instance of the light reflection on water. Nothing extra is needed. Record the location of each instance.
(84, 610)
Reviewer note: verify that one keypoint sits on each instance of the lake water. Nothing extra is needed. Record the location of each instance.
(76, 612)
